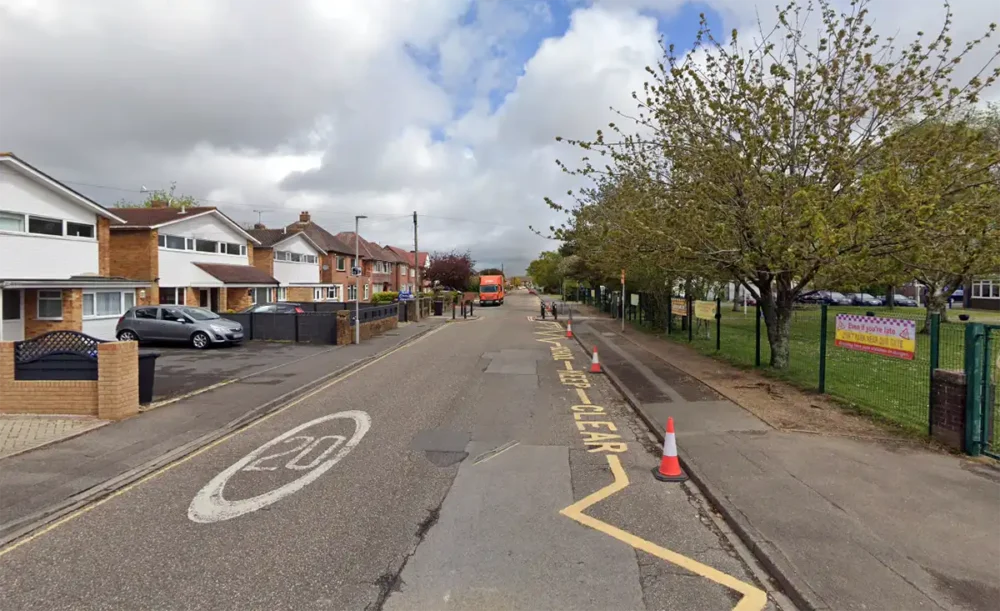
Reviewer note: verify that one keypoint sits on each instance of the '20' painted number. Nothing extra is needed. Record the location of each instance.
(209, 505)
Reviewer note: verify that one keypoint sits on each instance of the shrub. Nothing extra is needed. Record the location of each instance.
(385, 297)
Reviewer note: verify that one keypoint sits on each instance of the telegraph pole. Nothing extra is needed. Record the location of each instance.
(419, 289)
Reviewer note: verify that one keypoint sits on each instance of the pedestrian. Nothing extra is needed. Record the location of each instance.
(555, 313)
(543, 310)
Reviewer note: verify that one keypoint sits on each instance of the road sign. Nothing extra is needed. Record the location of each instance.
(355, 271)
(405, 295)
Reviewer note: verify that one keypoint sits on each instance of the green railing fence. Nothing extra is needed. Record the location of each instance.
(893, 389)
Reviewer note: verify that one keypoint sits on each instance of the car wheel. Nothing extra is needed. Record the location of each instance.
(200, 340)
(127, 336)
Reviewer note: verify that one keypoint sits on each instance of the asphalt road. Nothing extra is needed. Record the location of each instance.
(454, 473)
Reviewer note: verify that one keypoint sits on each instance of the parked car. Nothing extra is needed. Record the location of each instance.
(821, 297)
(197, 326)
(284, 307)
(904, 301)
(864, 299)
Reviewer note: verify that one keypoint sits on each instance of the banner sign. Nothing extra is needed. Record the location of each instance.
(704, 310)
(895, 337)
(679, 307)
(634, 297)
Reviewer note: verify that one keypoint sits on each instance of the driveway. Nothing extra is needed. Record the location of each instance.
(181, 370)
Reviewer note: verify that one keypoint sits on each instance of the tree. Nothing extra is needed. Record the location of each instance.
(491, 271)
(759, 163)
(451, 269)
(161, 195)
(544, 270)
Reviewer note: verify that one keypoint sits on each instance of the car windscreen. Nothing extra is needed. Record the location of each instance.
(200, 314)
(488, 288)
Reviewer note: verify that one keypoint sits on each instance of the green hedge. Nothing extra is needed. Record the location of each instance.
(385, 297)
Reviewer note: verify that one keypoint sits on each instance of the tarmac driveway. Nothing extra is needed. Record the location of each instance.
(180, 370)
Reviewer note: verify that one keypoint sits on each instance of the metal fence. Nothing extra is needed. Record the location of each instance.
(896, 390)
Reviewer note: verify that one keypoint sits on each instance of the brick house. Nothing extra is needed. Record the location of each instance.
(408, 276)
(193, 256)
(295, 260)
(336, 264)
(379, 265)
(55, 258)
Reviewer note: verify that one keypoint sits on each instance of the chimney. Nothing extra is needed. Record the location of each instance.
(159, 203)
(259, 226)
(304, 217)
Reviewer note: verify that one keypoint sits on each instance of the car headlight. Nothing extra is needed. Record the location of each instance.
(219, 329)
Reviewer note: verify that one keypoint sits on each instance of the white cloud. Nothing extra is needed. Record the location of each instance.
(320, 105)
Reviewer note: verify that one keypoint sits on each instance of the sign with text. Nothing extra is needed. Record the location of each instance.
(894, 337)
(704, 310)
(678, 307)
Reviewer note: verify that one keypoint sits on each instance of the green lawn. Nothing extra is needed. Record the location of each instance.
(892, 389)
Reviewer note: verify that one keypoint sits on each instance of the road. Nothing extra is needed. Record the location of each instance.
(479, 467)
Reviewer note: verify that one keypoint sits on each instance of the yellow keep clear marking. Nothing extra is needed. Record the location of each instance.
(754, 599)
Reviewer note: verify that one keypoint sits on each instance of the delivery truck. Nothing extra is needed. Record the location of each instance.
(491, 290)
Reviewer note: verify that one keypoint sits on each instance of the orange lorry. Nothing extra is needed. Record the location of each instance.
(491, 290)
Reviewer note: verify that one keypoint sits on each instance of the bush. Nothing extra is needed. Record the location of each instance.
(385, 297)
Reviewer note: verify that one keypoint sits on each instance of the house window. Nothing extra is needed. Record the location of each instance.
(282, 294)
(11, 222)
(333, 293)
(80, 230)
(367, 288)
(172, 242)
(261, 295)
(44, 226)
(280, 255)
(296, 257)
(341, 263)
(352, 292)
(172, 296)
(107, 303)
(986, 289)
(317, 294)
(206, 246)
(50, 305)
(310, 259)
(233, 249)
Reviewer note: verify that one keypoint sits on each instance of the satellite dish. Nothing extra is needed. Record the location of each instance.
(326, 268)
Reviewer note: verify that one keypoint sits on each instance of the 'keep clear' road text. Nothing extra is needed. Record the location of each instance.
(599, 433)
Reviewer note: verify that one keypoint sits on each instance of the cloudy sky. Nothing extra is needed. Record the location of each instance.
(345, 107)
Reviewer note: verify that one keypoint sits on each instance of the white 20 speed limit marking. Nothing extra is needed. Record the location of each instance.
(209, 505)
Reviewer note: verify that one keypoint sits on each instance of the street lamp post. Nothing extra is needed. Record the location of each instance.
(357, 281)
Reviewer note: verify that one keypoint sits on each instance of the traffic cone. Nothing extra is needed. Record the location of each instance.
(670, 468)
(595, 365)
(569, 328)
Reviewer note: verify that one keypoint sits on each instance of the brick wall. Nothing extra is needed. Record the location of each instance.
(345, 332)
(72, 314)
(135, 255)
(948, 408)
(103, 246)
(236, 299)
(192, 296)
(250, 253)
(263, 259)
(301, 293)
(115, 395)
(378, 327)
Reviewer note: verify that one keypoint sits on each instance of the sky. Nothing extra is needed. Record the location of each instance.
(449, 108)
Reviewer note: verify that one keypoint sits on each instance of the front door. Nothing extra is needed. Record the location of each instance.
(214, 300)
(203, 299)
(13, 315)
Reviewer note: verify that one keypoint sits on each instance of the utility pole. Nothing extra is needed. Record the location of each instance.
(357, 281)
(419, 289)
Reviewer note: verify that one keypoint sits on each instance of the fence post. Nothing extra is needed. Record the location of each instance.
(935, 362)
(670, 313)
(296, 327)
(756, 357)
(689, 321)
(975, 337)
(718, 324)
(822, 348)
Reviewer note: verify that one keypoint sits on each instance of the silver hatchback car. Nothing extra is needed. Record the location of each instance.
(195, 326)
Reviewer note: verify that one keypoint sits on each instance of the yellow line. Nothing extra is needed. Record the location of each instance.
(569, 365)
(583, 396)
(203, 449)
(754, 599)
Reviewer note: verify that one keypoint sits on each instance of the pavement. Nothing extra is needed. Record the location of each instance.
(50, 481)
(478, 467)
(840, 523)
(19, 433)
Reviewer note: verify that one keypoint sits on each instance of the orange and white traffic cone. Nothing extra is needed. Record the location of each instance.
(670, 467)
(569, 328)
(595, 365)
